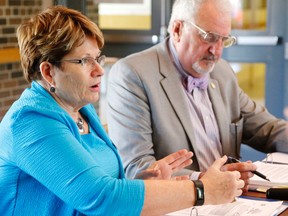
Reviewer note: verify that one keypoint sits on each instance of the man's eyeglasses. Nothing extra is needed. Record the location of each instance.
(211, 37)
(88, 62)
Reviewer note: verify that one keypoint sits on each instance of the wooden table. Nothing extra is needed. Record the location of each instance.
(262, 195)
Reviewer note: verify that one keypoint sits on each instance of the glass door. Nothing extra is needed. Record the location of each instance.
(130, 26)
(260, 56)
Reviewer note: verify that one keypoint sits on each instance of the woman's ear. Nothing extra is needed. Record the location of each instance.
(47, 71)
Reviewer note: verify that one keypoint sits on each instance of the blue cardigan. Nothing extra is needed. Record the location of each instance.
(46, 170)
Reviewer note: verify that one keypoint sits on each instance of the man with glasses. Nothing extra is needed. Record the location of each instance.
(181, 94)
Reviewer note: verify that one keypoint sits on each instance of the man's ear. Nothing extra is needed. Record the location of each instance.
(177, 30)
(47, 71)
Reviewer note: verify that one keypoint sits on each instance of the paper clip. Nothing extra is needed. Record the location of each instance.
(267, 160)
(192, 211)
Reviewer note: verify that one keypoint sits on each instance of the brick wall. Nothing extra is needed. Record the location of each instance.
(12, 83)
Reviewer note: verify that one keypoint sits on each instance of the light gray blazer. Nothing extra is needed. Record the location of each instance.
(147, 117)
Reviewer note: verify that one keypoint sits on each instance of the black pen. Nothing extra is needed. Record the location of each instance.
(234, 160)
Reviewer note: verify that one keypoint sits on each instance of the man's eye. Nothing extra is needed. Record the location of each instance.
(211, 37)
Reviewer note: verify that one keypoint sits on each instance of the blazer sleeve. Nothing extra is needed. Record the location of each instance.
(129, 126)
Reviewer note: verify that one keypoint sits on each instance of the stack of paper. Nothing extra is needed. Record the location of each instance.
(276, 172)
(241, 207)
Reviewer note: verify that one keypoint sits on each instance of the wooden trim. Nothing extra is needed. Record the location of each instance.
(9, 55)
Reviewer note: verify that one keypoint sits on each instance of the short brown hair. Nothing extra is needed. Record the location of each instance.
(52, 34)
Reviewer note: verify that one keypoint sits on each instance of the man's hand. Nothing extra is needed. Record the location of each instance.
(244, 168)
(221, 186)
(166, 167)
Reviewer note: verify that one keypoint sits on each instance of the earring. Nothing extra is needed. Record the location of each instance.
(52, 89)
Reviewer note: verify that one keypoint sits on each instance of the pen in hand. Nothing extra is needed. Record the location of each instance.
(234, 160)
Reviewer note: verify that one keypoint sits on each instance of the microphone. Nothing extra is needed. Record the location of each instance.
(277, 193)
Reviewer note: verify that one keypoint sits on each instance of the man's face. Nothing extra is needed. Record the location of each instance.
(197, 56)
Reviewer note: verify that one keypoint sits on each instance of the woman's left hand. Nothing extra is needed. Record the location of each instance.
(167, 166)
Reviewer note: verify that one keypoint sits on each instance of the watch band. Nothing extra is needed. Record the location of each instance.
(199, 192)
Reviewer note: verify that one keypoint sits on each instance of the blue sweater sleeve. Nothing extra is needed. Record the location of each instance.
(46, 149)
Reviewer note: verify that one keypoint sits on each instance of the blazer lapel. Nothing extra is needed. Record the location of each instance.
(174, 90)
(219, 112)
(177, 98)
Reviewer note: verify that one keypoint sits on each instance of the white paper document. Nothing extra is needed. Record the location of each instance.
(241, 207)
(276, 173)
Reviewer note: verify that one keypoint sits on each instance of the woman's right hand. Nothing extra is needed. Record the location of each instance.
(221, 187)
(167, 166)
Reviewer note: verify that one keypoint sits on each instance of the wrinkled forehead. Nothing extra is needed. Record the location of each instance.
(214, 19)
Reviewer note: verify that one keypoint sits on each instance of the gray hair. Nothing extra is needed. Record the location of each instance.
(188, 9)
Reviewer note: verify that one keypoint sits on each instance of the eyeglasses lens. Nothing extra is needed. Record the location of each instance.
(229, 41)
(101, 60)
(211, 38)
(91, 62)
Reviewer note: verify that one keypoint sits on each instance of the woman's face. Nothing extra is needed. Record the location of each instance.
(78, 84)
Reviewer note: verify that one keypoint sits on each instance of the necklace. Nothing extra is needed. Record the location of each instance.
(80, 124)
